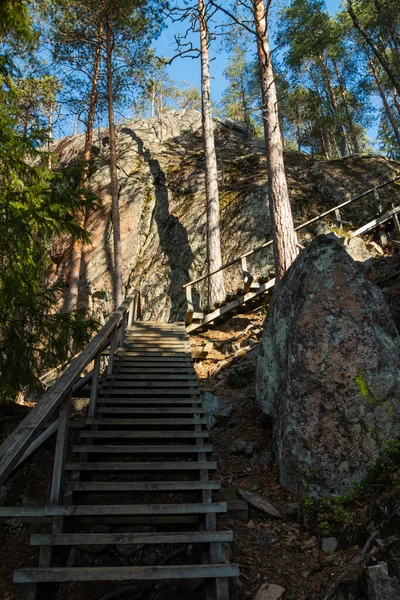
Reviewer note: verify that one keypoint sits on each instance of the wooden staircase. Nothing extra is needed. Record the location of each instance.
(141, 458)
(251, 293)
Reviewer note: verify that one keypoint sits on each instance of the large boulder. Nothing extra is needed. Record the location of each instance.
(328, 371)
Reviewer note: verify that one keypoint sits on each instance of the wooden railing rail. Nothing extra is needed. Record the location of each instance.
(239, 259)
(22, 440)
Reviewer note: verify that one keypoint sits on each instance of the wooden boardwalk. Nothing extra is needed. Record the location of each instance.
(142, 458)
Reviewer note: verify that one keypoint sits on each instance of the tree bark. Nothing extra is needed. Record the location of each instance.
(343, 141)
(382, 94)
(117, 279)
(353, 135)
(216, 291)
(369, 41)
(50, 135)
(284, 236)
(71, 301)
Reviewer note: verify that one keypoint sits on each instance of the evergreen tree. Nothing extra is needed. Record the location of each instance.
(35, 206)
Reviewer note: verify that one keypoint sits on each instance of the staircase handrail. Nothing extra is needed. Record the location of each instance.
(298, 228)
(18, 443)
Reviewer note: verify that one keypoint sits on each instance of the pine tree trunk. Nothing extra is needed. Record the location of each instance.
(369, 41)
(335, 108)
(352, 131)
(118, 296)
(324, 131)
(71, 301)
(216, 282)
(284, 236)
(50, 134)
(384, 99)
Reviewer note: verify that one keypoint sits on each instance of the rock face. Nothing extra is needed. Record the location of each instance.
(162, 206)
(328, 371)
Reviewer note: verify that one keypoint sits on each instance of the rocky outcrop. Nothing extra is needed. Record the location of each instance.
(328, 371)
(162, 206)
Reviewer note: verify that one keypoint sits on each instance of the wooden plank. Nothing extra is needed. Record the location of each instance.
(145, 434)
(116, 421)
(59, 574)
(56, 490)
(94, 386)
(165, 360)
(160, 410)
(89, 539)
(146, 393)
(81, 510)
(15, 445)
(155, 353)
(144, 520)
(134, 401)
(144, 486)
(157, 449)
(138, 466)
(149, 384)
(372, 224)
(162, 377)
(231, 305)
(152, 369)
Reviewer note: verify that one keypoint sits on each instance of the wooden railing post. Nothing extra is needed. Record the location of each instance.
(56, 492)
(122, 330)
(382, 234)
(190, 308)
(396, 219)
(113, 349)
(94, 386)
(130, 314)
(247, 277)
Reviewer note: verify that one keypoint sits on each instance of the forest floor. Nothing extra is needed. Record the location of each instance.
(285, 551)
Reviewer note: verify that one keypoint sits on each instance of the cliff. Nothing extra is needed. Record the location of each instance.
(162, 205)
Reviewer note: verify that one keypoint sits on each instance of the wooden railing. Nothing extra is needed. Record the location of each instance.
(247, 278)
(56, 402)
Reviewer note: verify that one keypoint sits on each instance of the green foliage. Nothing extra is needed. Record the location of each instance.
(384, 473)
(36, 205)
(325, 109)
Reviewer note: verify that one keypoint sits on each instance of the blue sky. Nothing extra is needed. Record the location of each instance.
(186, 69)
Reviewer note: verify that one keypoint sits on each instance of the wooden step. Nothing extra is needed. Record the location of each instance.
(81, 510)
(139, 466)
(160, 449)
(116, 421)
(157, 384)
(161, 410)
(134, 401)
(140, 376)
(120, 539)
(60, 574)
(142, 486)
(155, 353)
(177, 361)
(144, 434)
(149, 370)
(142, 393)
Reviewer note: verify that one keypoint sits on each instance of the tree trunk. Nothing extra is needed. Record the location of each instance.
(117, 280)
(284, 236)
(385, 64)
(71, 301)
(323, 129)
(384, 99)
(216, 292)
(343, 141)
(50, 134)
(352, 131)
